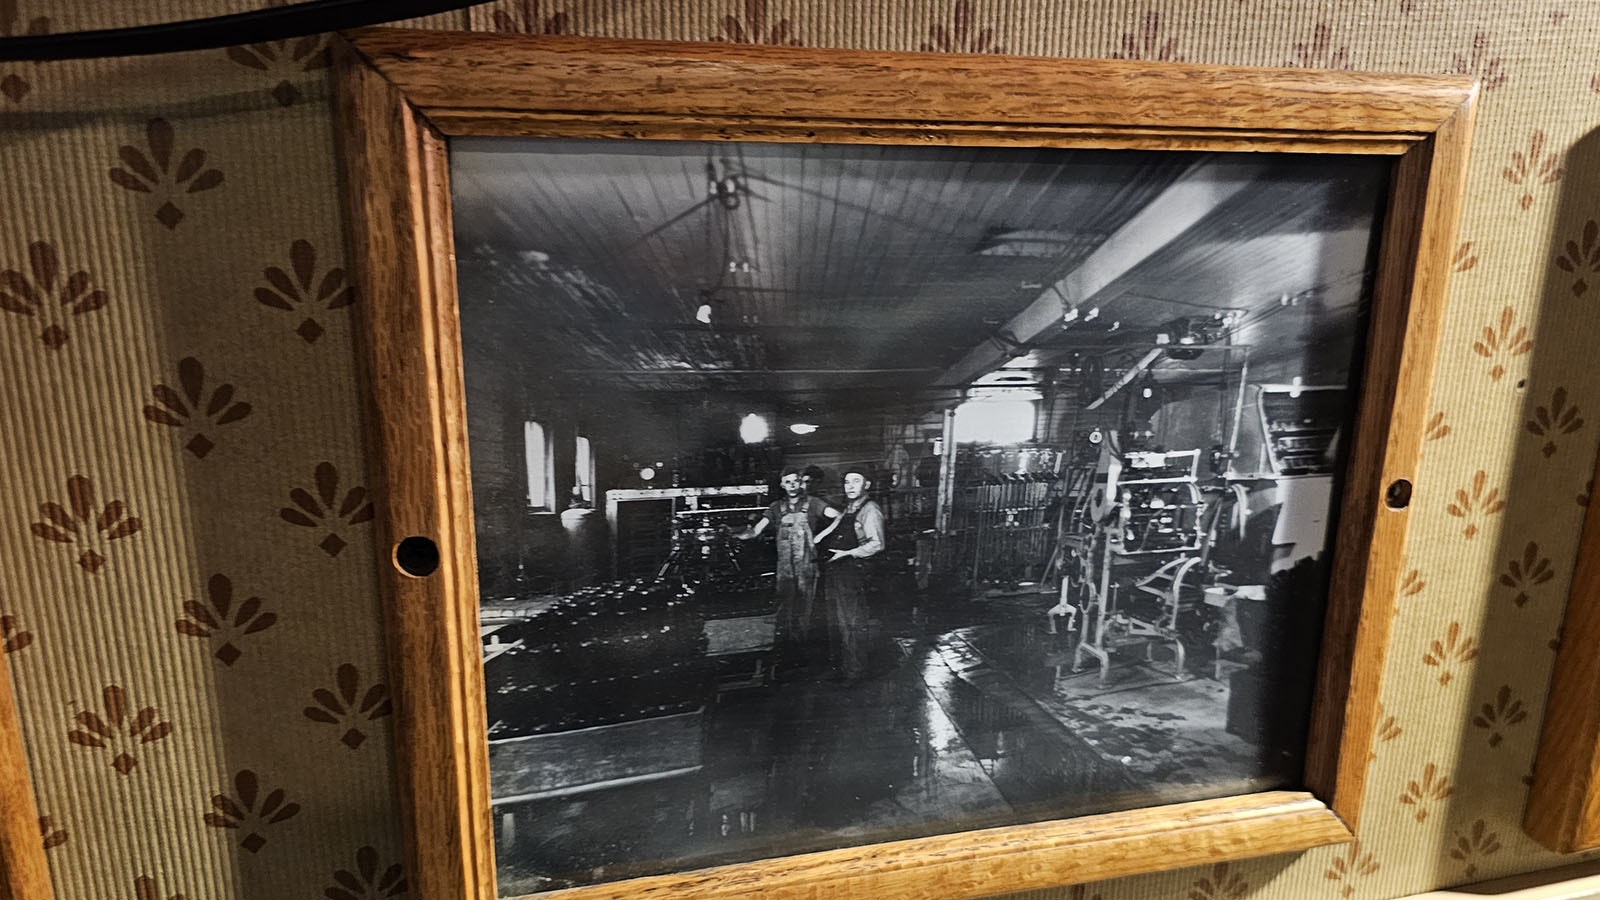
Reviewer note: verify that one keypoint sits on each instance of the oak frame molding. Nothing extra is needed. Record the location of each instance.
(1563, 811)
(402, 93)
(24, 871)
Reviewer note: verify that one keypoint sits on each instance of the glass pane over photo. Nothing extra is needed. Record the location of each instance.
(911, 490)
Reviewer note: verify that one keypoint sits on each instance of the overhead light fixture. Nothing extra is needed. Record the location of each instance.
(802, 428)
(753, 429)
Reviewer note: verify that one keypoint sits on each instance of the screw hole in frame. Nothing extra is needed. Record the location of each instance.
(417, 556)
(1398, 496)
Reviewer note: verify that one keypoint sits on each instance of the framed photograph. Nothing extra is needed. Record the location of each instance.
(871, 474)
(1563, 810)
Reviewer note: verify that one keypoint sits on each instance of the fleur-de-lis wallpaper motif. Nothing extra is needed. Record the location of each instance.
(532, 19)
(117, 732)
(43, 295)
(961, 36)
(1582, 257)
(328, 509)
(12, 637)
(155, 174)
(1146, 43)
(1464, 258)
(70, 524)
(1320, 53)
(1533, 168)
(13, 86)
(1474, 844)
(1424, 792)
(1528, 572)
(192, 410)
(49, 834)
(284, 59)
(305, 289)
(1509, 340)
(1412, 584)
(755, 27)
(1505, 712)
(1452, 650)
(1554, 420)
(1482, 502)
(1221, 883)
(1489, 70)
(221, 621)
(144, 888)
(241, 812)
(1436, 427)
(343, 708)
(1354, 863)
(366, 882)
(1388, 727)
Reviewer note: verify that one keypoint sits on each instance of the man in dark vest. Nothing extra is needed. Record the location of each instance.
(854, 541)
(798, 518)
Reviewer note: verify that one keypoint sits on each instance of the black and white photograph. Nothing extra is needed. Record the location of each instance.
(828, 495)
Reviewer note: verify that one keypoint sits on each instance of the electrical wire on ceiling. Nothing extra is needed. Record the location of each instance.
(270, 24)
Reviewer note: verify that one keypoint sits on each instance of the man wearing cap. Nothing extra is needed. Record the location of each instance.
(798, 518)
(854, 542)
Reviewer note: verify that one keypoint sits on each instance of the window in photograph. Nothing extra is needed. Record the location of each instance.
(536, 448)
(1002, 418)
(583, 472)
(947, 487)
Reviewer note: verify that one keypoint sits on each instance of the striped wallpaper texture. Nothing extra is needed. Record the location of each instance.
(188, 607)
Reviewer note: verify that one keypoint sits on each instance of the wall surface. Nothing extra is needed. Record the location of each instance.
(188, 602)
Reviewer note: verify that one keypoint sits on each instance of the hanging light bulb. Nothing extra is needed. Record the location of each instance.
(703, 314)
(753, 429)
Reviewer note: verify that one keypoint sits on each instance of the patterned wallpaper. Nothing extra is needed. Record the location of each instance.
(188, 609)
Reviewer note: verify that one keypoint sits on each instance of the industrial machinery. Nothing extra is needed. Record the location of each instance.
(1140, 534)
(680, 531)
(685, 534)
(1301, 424)
(617, 675)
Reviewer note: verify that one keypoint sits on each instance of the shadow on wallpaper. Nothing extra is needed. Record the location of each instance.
(1514, 643)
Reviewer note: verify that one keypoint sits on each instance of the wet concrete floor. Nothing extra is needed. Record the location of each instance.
(957, 727)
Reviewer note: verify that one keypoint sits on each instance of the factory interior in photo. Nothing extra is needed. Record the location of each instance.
(829, 495)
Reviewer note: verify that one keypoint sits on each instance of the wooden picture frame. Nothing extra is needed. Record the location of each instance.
(24, 871)
(1563, 811)
(403, 93)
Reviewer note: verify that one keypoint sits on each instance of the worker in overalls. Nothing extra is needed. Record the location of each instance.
(853, 543)
(799, 518)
